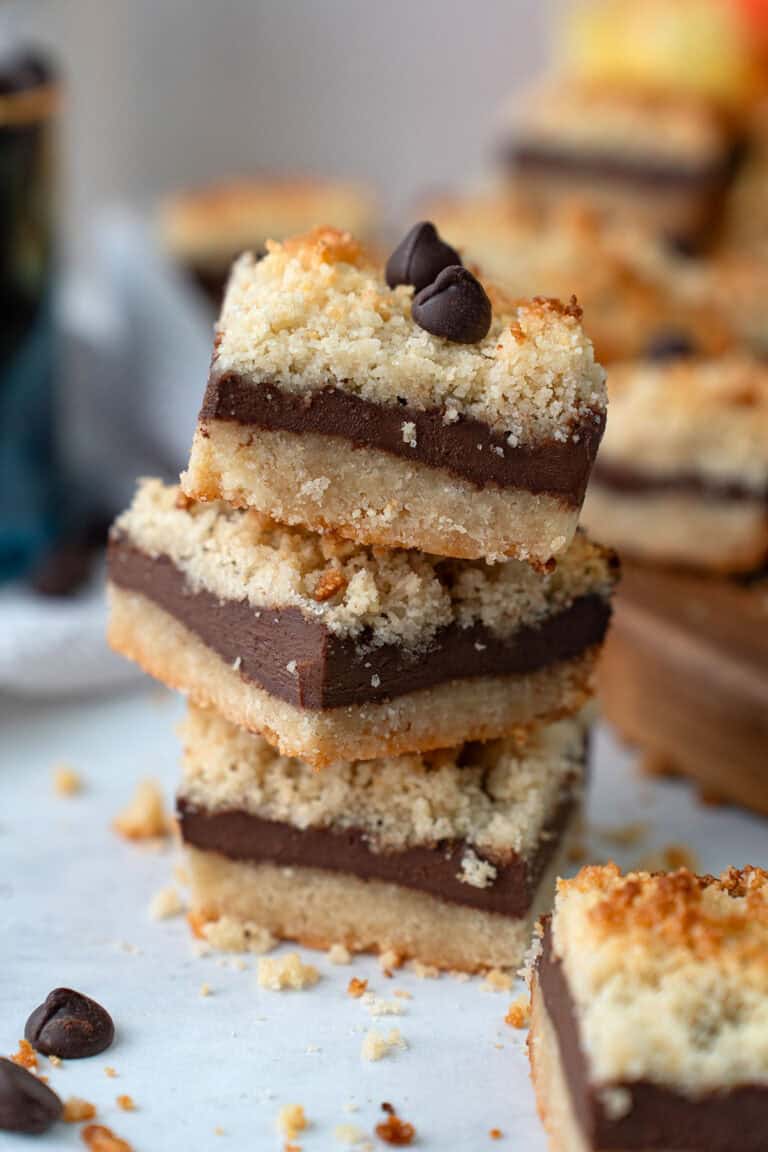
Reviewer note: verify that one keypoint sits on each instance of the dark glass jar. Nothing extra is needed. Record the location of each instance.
(28, 100)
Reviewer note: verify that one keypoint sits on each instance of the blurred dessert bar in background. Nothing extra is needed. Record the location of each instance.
(204, 230)
(682, 475)
(444, 858)
(452, 421)
(339, 651)
(660, 159)
(638, 298)
(684, 676)
(650, 1012)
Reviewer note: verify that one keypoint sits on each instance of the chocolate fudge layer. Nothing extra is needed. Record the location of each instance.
(471, 831)
(683, 472)
(684, 675)
(663, 161)
(330, 405)
(205, 229)
(331, 648)
(663, 953)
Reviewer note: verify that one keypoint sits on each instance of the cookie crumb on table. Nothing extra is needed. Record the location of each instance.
(206, 990)
(145, 817)
(126, 1103)
(393, 1130)
(229, 935)
(291, 1119)
(376, 1045)
(519, 1013)
(424, 971)
(377, 1006)
(388, 961)
(77, 1110)
(356, 988)
(26, 1056)
(495, 1133)
(165, 903)
(110, 1072)
(99, 1138)
(286, 972)
(497, 981)
(351, 1135)
(66, 781)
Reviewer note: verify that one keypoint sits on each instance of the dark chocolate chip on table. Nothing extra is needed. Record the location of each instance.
(69, 1025)
(420, 257)
(26, 1103)
(455, 307)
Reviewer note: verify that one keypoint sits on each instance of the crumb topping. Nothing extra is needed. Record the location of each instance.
(669, 973)
(379, 596)
(703, 416)
(495, 796)
(315, 311)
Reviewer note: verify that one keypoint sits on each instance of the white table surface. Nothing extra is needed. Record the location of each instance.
(74, 911)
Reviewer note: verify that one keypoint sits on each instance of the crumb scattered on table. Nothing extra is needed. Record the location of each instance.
(519, 1013)
(229, 935)
(286, 972)
(377, 1006)
(425, 971)
(291, 1120)
(339, 954)
(77, 1110)
(145, 818)
(356, 988)
(66, 781)
(110, 1072)
(393, 1130)
(206, 990)
(497, 981)
(99, 1138)
(388, 961)
(26, 1057)
(126, 1103)
(376, 1045)
(495, 1133)
(165, 903)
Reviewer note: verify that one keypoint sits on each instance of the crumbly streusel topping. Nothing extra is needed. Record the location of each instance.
(570, 115)
(705, 416)
(496, 796)
(211, 225)
(315, 312)
(402, 597)
(669, 973)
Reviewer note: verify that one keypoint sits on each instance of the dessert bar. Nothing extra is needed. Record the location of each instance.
(649, 1022)
(684, 675)
(449, 422)
(682, 475)
(336, 651)
(663, 160)
(442, 858)
(204, 229)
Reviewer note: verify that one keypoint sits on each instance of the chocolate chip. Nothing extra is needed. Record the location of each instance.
(455, 307)
(26, 1104)
(69, 1025)
(420, 257)
(670, 345)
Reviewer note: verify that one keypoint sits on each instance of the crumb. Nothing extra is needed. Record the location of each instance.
(402, 994)
(56, 1061)
(145, 818)
(497, 981)
(356, 988)
(519, 1013)
(110, 1072)
(339, 954)
(102, 1139)
(388, 961)
(291, 1120)
(393, 1130)
(291, 667)
(165, 903)
(351, 1107)
(376, 1045)
(126, 1103)
(408, 431)
(284, 972)
(218, 1130)
(379, 1007)
(66, 782)
(425, 971)
(206, 990)
(475, 871)
(495, 1133)
(26, 1057)
(329, 584)
(462, 977)
(77, 1110)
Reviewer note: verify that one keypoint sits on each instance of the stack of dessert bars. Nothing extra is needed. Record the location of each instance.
(371, 588)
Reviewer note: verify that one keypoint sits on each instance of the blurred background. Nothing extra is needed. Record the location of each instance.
(615, 149)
